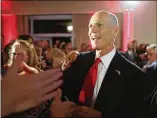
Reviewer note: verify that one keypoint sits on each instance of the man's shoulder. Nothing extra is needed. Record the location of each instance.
(87, 53)
(83, 56)
(153, 65)
(82, 59)
(128, 65)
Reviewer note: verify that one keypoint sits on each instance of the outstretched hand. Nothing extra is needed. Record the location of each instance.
(86, 112)
(22, 92)
(71, 57)
(59, 108)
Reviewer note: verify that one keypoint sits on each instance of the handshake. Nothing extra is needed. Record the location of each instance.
(69, 109)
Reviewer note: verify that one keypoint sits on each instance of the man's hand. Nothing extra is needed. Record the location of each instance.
(22, 92)
(86, 112)
(61, 109)
(70, 58)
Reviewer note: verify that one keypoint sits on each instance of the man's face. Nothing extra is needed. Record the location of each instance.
(100, 31)
(152, 55)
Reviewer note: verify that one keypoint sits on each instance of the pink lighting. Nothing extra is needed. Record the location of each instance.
(9, 23)
(9, 28)
(128, 23)
(128, 28)
(130, 5)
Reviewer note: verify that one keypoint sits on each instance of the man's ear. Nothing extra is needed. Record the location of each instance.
(115, 31)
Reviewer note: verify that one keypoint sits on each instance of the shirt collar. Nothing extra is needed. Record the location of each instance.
(106, 59)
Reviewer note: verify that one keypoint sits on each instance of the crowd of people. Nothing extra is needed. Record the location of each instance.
(144, 56)
(61, 81)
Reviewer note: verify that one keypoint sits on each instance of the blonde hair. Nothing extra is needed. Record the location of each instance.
(57, 53)
(58, 57)
(29, 48)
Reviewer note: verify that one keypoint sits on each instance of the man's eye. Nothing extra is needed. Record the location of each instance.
(99, 25)
(90, 26)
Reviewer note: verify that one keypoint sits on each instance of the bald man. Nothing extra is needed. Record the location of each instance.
(112, 88)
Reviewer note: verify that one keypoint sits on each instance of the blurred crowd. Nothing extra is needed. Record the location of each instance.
(38, 53)
(41, 56)
(144, 56)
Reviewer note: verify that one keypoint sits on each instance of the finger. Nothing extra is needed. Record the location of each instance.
(71, 104)
(49, 96)
(50, 80)
(16, 64)
(26, 67)
(51, 87)
(59, 95)
(46, 74)
(72, 110)
(82, 108)
(79, 114)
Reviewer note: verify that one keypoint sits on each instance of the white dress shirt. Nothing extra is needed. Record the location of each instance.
(102, 69)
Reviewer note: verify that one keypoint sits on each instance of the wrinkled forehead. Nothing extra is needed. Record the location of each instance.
(99, 17)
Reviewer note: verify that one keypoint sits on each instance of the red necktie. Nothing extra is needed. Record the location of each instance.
(89, 84)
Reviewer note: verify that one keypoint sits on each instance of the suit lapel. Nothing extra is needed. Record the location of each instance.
(87, 62)
(109, 94)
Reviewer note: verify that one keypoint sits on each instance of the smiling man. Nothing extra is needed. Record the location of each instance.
(102, 82)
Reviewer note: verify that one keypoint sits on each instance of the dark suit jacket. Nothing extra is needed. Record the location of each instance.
(151, 71)
(121, 94)
(152, 99)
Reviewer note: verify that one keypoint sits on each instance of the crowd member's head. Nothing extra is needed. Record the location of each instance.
(56, 45)
(83, 47)
(26, 37)
(56, 55)
(130, 45)
(141, 53)
(152, 52)
(135, 44)
(30, 55)
(38, 50)
(68, 47)
(103, 29)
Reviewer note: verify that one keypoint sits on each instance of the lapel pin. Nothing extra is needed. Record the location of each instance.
(118, 72)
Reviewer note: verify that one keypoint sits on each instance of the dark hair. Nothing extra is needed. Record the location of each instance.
(25, 37)
(63, 47)
(8, 47)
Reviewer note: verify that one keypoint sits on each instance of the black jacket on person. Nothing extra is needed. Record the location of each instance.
(122, 91)
(151, 71)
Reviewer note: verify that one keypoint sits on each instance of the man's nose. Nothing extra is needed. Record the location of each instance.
(94, 29)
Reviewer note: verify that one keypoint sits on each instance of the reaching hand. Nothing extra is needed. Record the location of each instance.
(23, 92)
(71, 57)
(59, 108)
(28, 69)
(86, 112)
